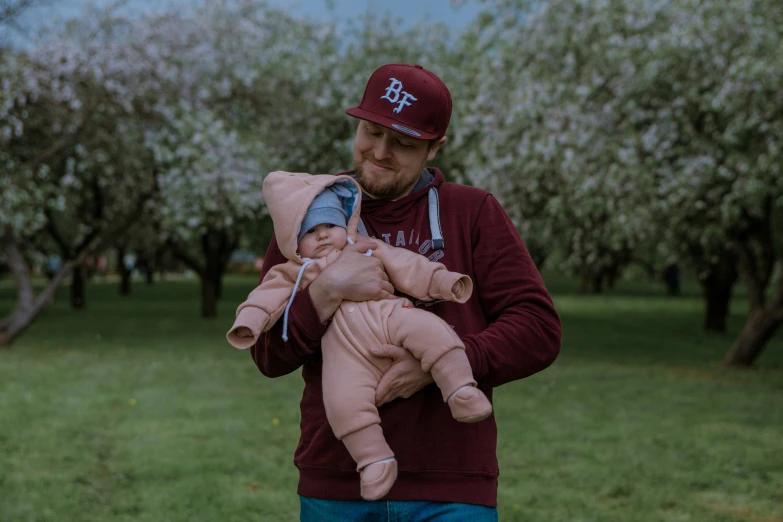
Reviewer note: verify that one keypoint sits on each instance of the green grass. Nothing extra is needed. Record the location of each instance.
(635, 422)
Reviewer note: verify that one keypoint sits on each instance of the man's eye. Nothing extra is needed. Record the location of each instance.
(404, 145)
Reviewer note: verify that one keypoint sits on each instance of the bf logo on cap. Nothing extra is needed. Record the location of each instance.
(393, 93)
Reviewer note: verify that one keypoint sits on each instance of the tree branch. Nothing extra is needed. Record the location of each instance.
(24, 288)
(186, 258)
(65, 249)
(10, 11)
(59, 145)
(28, 306)
(103, 239)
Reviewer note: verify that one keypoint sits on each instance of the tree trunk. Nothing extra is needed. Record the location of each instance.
(211, 283)
(216, 248)
(209, 294)
(597, 284)
(671, 276)
(125, 274)
(717, 310)
(125, 283)
(761, 326)
(537, 254)
(28, 305)
(718, 286)
(585, 280)
(160, 263)
(78, 301)
(584, 285)
(611, 278)
(144, 266)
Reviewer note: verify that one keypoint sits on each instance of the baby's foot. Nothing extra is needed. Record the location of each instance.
(469, 404)
(458, 288)
(378, 478)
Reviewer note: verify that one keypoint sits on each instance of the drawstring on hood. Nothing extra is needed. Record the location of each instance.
(352, 242)
(307, 261)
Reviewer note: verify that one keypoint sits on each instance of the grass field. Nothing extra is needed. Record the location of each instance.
(136, 410)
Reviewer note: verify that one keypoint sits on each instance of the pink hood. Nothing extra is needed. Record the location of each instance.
(288, 195)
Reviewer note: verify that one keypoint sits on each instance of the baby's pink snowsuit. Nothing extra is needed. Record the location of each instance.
(350, 371)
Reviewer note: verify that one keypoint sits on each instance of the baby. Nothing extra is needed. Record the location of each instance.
(314, 218)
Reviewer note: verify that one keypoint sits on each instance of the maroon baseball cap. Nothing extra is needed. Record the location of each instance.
(408, 99)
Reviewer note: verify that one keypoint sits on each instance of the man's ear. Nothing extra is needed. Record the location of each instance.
(435, 147)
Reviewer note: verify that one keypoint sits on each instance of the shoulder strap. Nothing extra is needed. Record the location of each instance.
(433, 204)
(434, 210)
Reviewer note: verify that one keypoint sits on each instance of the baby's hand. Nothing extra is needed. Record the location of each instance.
(458, 288)
(243, 332)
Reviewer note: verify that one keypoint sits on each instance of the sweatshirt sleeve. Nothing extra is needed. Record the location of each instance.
(264, 306)
(418, 277)
(272, 355)
(524, 332)
(252, 318)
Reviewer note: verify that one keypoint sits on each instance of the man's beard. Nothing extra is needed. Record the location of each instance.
(383, 189)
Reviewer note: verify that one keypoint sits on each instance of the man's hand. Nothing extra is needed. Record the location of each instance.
(404, 378)
(352, 277)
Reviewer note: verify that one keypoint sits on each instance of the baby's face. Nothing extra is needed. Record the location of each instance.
(321, 240)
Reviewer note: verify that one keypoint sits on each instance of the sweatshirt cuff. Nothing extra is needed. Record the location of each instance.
(247, 327)
(476, 359)
(442, 286)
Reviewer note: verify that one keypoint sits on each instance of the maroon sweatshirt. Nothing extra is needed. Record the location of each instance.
(509, 326)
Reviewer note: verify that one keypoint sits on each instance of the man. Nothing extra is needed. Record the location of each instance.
(509, 326)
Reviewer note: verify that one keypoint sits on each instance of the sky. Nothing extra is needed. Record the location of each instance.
(411, 11)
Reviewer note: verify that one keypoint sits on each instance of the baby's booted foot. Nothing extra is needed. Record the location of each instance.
(378, 478)
(469, 404)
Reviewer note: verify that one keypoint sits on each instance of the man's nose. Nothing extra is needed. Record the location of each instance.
(382, 149)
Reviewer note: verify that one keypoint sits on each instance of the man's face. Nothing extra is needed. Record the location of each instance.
(388, 163)
(321, 240)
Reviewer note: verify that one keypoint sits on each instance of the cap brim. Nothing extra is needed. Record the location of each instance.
(390, 123)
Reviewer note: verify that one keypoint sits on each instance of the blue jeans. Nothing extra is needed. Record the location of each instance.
(317, 510)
